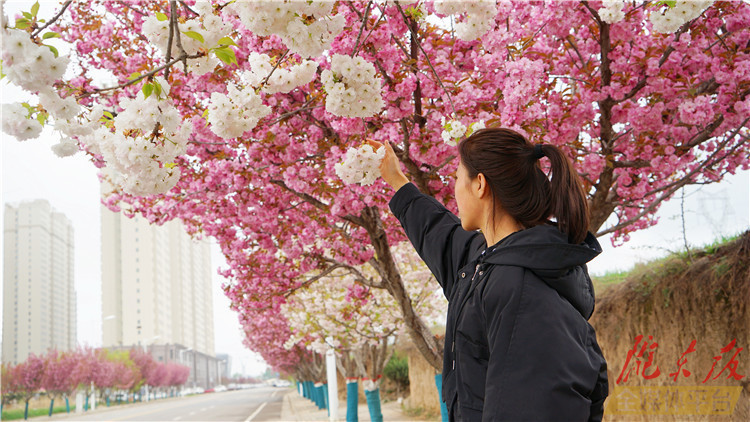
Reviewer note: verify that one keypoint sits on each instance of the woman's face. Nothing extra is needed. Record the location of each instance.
(466, 201)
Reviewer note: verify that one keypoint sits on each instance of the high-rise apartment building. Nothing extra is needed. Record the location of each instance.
(39, 298)
(156, 285)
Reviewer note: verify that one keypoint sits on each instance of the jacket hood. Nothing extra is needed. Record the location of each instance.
(545, 251)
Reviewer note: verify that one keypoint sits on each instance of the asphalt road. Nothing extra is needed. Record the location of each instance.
(255, 404)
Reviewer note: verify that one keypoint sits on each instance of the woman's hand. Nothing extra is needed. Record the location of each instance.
(390, 168)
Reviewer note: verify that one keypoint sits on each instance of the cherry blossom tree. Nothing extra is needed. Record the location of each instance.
(57, 380)
(145, 365)
(360, 323)
(10, 387)
(232, 117)
(30, 375)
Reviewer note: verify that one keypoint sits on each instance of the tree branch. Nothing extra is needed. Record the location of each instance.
(147, 75)
(54, 18)
(671, 188)
(415, 37)
(278, 62)
(362, 27)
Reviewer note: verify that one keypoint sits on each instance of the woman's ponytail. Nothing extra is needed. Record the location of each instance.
(511, 166)
(567, 198)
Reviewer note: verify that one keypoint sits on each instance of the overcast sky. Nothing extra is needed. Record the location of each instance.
(30, 171)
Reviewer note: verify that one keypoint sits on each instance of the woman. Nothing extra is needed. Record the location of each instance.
(517, 345)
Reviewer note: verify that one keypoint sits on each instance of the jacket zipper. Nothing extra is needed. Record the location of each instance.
(460, 308)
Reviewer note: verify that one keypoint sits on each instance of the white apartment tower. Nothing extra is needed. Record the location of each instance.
(156, 285)
(39, 298)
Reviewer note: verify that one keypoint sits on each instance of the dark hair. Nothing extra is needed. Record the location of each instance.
(517, 182)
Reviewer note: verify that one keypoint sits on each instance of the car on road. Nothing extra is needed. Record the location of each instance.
(281, 383)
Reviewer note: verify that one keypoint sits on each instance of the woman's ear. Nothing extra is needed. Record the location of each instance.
(481, 188)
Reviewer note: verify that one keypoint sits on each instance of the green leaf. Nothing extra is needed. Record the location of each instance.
(2, 75)
(35, 9)
(134, 75)
(227, 41)
(205, 114)
(22, 23)
(42, 118)
(157, 89)
(226, 55)
(147, 90)
(50, 34)
(28, 15)
(170, 165)
(161, 16)
(52, 49)
(108, 114)
(194, 35)
(669, 3)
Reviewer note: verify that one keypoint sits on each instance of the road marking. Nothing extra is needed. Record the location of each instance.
(212, 407)
(177, 418)
(274, 393)
(192, 413)
(204, 409)
(249, 418)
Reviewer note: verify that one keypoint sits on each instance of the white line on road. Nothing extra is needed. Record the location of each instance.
(274, 393)
(256, 412)
(192, 413)
(204, 409)
(177, 418)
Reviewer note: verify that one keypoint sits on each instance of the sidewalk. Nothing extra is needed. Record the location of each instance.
(298, 408)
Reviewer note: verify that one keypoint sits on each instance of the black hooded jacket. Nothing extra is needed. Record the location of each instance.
(517, 345)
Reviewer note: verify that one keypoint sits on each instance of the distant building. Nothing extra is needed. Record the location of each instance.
(39, 298)
(226, 365)
(156, 285)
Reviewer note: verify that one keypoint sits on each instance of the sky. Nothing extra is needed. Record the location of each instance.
(31, 171)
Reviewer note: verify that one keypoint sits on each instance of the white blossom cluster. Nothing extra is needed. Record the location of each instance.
(35, 68)
(352, 87)
(16, 122)
(66, 147)
(209, 25)
(80, 127)
(453, 130)
(236, 112)
(281, 80)
(611, 11)
(32, 67)
(361, 165)
(59, 108)
(674, 17)
(306, 27)
(143, 162)
(480, 16)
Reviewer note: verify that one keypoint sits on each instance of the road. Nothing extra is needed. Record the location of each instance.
(255, 404)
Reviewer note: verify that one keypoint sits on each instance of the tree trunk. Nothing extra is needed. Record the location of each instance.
(420, 334)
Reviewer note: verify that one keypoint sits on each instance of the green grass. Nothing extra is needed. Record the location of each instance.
(713, 246)
(671, 264)
(16, 414)
(610, 278)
